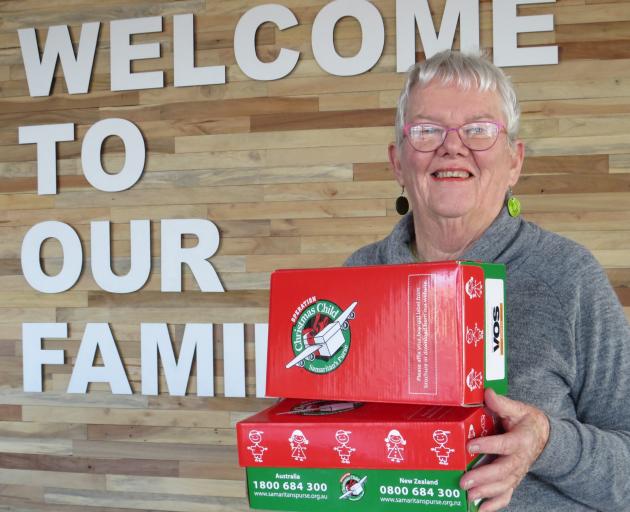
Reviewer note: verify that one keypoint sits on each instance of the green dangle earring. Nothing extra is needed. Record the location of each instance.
(513, 204)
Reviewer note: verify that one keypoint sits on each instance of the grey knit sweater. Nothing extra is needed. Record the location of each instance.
(568, 354)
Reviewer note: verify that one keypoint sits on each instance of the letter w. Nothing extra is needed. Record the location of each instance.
(77, 70)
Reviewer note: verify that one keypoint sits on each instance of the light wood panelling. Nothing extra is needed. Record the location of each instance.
(294, 173)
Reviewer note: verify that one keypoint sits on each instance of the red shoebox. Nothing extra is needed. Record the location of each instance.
(430, 333)
(323, 456)
(328, 434)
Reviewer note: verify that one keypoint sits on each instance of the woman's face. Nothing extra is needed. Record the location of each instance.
(481, 178)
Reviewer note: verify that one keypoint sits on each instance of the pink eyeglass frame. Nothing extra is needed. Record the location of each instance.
(498, 124)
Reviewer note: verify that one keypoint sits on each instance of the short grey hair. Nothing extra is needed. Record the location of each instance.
(465, 70)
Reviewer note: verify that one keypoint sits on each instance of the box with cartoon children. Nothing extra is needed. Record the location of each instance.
(324, 455)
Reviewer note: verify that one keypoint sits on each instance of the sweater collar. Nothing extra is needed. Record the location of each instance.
(491, 246)
(494, 242)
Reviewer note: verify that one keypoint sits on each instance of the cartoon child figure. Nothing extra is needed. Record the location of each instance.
(395, 446)
(474, 288)
(343, 450)
(474, 380)
(442, 451)
(474, 335)
(298, 444)
(255, 436)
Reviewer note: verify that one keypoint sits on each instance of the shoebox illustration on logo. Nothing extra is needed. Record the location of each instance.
(327, 455)
(431, 333)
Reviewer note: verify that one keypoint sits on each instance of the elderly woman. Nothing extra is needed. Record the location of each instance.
(566, 445)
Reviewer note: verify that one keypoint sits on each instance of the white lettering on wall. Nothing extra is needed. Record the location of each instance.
(134, 155)
(77, 70)
(372, 37)
(412, 13)
(72, 260)
(245, 43)
(98, 337)
(46, 137)
(185, 72)
(140, 257)
(234, 359)
(34, 357)
(155, 338)
(155, 345)
(173, 254)
(261, 332)
(506, 27)
(123, 53)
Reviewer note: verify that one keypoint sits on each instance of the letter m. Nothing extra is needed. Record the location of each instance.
(155, 338)
(412, 13)
(77, 69)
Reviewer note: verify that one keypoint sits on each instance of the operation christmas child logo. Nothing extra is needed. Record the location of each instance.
(352, 487)
(321, 334)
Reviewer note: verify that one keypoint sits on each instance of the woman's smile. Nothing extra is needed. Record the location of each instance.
(451, 175)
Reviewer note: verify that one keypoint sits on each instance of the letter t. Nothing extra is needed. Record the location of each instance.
(46, 137)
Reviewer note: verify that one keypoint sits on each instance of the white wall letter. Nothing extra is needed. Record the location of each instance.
(140, 256)
(46, 137)
(261, 332)
(506, 27)
(134, 155)
(77, 71)
(245, 43)
(155, 338)
(72, 257)
(233, 360)
(372, 41)
(412, 13)
(184, 56)
(98, 337)
(173, 254)
(34, 357)
(122, 52)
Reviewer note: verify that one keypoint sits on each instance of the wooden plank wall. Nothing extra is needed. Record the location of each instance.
(294, 174)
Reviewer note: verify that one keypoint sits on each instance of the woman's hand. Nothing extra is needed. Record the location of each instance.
(526, 433)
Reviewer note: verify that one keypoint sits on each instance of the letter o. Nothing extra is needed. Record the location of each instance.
(372, 37)
(72, 257)
(134, 155)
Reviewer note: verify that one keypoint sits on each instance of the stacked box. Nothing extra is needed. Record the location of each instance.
(429, 333)
(324, 455)
(396, 358)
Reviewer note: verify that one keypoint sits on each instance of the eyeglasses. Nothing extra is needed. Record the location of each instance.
(477, 136)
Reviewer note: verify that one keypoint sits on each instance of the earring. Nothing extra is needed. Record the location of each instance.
(513, 204)
(402, 203)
